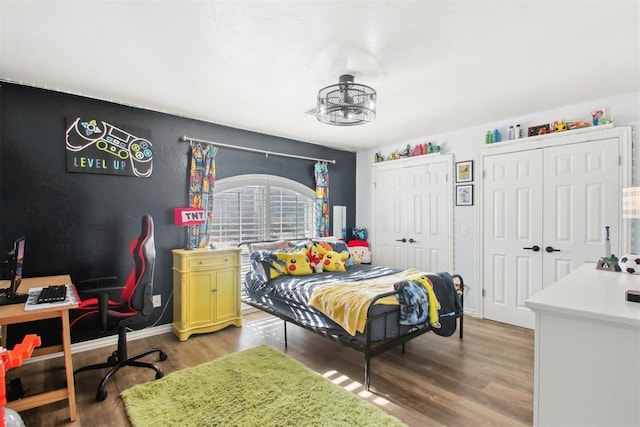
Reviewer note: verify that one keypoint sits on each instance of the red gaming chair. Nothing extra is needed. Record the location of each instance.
(135, 306)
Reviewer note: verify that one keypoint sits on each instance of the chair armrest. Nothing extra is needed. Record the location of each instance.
(98, 285)
(95, 282)
(103, 290)
(100, 288)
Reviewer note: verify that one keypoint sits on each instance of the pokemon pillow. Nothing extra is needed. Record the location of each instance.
(271, 264)
(333, 261)
(296, 263)
(337, 246)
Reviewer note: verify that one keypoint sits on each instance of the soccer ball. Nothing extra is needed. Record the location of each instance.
(630, 263)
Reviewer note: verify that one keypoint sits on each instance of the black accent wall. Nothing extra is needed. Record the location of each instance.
(82, 224)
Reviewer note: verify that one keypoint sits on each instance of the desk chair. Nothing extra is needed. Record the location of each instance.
(135, 306)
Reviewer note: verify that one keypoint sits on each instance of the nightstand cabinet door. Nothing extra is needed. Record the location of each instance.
(206, 290)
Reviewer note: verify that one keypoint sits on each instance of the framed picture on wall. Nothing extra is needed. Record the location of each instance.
(464, 171)
(464, 195)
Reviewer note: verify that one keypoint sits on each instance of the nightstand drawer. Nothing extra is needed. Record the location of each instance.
(208, 261)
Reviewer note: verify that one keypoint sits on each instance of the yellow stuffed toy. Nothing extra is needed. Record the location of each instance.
(296, 263)
(332, 260)
(434, 304)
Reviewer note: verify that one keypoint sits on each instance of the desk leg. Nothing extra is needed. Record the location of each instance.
(68, 364)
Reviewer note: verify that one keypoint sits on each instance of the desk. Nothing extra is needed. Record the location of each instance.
(11, 314)
(587, 347)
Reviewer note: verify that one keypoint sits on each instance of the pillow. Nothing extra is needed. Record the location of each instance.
(268, 246)
(296, 263)
(340, 247)
(266, 265)
(334, 261)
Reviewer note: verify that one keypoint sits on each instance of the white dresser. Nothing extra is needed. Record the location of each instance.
(587, 350)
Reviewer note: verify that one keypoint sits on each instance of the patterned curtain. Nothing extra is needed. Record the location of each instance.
(201, 185)
(322, 199)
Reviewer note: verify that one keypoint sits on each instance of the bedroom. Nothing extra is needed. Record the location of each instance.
(58, 209)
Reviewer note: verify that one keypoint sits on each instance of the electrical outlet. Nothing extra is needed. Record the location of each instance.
(157, 300)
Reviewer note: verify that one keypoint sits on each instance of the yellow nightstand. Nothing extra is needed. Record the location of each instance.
(206, 290)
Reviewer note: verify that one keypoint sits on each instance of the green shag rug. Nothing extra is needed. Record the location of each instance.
(255, 387)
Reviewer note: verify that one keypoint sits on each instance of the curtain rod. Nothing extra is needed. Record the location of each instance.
(255, 150)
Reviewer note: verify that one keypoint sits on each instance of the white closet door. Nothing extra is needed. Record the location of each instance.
(513, 212)
(390, 225)
(545, 213)
(429, 237)
(413, 214)
(581, 197)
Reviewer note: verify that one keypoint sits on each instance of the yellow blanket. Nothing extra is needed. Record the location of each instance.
(347, 303)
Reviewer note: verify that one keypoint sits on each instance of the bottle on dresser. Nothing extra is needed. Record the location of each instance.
(496, 135)
(517, 134)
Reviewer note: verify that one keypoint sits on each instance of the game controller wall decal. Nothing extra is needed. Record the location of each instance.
(95, 146)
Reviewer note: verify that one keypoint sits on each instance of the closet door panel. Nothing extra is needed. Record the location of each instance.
(390, 219)
(581, 198)
(428, 236)
(512, 207)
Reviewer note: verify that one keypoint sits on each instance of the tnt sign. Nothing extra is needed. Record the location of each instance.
(189, 216)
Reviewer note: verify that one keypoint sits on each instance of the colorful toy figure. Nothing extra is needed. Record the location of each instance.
(596, 115)
(560, 126)
(577, 125)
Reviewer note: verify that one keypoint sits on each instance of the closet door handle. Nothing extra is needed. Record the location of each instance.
(550, 249)
(534, 248)
(403, 240)
(413, 241)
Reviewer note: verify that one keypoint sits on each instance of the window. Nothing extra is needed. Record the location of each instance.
(249, 208)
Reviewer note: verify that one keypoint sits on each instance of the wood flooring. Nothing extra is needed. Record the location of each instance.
(484, 379)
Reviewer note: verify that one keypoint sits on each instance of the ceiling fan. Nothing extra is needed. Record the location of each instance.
(345, 104)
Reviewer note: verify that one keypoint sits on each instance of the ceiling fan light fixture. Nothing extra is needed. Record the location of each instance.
(346, 103)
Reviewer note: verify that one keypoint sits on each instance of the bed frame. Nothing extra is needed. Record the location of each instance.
(367, 346)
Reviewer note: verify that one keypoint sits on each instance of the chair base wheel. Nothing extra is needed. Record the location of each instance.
(101, 395)
(163, 356)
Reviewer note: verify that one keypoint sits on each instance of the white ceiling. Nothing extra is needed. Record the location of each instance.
(257, 65)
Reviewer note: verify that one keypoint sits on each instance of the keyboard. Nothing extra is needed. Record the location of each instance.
(52, 293)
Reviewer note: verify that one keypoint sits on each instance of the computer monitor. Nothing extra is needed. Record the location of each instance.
(16, 265)
(17, 262)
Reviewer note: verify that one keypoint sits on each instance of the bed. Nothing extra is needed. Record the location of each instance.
(365, 307)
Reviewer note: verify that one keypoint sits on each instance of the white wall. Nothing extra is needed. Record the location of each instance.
(465, 143)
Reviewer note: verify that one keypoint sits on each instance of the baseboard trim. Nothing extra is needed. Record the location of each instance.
(105, 342)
